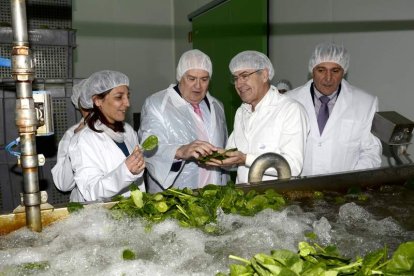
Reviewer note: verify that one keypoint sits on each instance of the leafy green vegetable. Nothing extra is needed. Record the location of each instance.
(196, 208)
(150, 143)
(215, 155)
(35, 266)
(314, 260)
(137, 198)
(402, 260)
(74, 207)
(128, 254)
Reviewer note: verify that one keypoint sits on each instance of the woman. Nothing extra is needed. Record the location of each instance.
(106, 157)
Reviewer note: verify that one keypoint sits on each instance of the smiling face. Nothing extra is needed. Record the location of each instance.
(251, 85)
(115, 104)
(193, 85)
(327, 76)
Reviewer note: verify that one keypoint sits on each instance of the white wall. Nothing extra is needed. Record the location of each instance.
(134, 37)
(182, 26)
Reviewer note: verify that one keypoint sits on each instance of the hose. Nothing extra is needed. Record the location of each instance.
(11, 145)
(5, 62)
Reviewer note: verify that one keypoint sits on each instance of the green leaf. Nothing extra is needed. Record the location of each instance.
(288, 259)
(161, 206)
(239, 270)
(74, 207)
(128, 254)
(372, 260)
(215, 155)
(311, 235)
(136, 196)
(306, 249)
(150, 143)
(403, 259)
(35, 266)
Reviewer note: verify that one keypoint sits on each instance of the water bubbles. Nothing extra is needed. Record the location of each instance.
(92, 242)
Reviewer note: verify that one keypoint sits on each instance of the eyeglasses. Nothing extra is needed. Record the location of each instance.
(243, 77)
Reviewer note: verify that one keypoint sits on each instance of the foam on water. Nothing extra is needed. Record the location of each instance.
(91, 242)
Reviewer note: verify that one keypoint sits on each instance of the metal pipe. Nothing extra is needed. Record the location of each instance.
(266, 161)
(26, 119)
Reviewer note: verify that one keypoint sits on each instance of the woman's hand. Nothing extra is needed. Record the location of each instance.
(135, 161)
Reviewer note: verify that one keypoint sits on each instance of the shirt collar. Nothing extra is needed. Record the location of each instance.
(205, 98)
(263, 101)
(315, 93)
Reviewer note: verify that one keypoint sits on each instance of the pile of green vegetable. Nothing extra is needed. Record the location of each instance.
(196, 208)
(325, 261)
(199, 209)
(215, 155)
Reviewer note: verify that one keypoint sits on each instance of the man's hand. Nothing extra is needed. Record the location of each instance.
(235, 158)
(194, 150)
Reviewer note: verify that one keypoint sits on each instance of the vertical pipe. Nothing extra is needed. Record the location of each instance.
(26, 120)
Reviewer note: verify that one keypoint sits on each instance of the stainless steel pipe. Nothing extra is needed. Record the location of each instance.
(26, 119)
(266, 161)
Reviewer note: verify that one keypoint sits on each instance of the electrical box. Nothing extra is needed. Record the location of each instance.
(43, 106)
(392, 128)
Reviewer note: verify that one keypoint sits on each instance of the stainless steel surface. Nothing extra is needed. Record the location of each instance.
(392, 128)
(266, 161)
(303, 187)
(26, 120)
(19, 23)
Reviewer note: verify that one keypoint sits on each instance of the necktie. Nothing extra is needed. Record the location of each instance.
(197, 110)
(323, 114)
(204, 174)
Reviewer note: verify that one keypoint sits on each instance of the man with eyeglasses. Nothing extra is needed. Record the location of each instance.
(340, 116)
(267, 121)
(189, 124)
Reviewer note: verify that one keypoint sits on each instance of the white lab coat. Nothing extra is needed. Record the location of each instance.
(278, 124)
(62, 172)
(99, 165)
(168, 116)
(346, 142)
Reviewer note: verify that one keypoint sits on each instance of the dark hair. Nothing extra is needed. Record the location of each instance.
(95, 114)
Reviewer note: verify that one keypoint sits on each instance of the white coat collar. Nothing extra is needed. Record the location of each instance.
(178, 101)
(266, 101)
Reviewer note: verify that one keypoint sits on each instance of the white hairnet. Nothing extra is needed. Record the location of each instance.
(329, 52)
(251, 60)
(77, 90)
(193, 59)
(284, 85)
(100, 82)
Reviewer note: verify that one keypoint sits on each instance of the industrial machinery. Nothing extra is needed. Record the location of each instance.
(395, 133)
(35, 77)
(54, 91)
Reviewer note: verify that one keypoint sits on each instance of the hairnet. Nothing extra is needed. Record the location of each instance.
(193, 59)
(284, 85)
(329, 52)
(251, 60)
(77, 90)
(100, 82)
